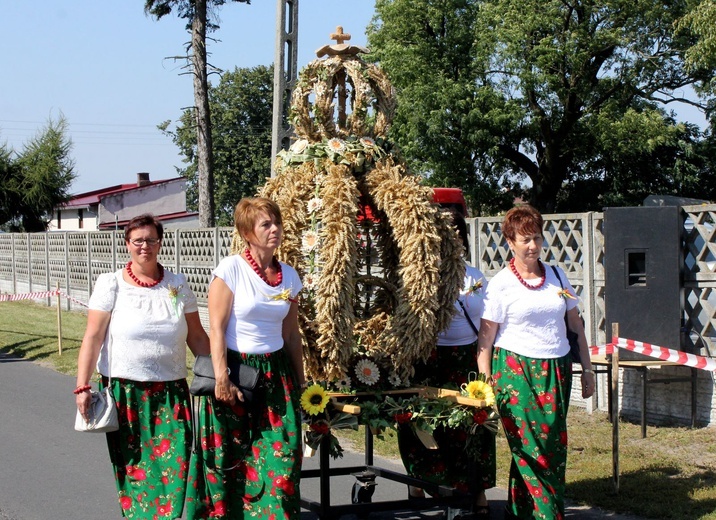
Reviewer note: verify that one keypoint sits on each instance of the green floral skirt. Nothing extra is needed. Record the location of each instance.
(150, 451)
(533, 399)
(451, 464)
(248, 464)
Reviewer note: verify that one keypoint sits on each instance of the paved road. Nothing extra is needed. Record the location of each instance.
(49, 471)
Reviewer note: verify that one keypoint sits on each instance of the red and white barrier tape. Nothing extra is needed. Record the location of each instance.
(27, 296)
(666, 354)
(656, 352)
(39, 295)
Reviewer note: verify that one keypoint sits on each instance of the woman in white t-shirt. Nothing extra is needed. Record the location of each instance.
(531, 366)
(249, 462)
(148, 315)
(449, 366)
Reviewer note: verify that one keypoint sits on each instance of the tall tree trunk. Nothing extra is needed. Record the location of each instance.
(203, 118)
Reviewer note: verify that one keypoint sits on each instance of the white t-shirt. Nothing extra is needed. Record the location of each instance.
(148, 329)
(459, 332)
(256, 321)
(531, 321)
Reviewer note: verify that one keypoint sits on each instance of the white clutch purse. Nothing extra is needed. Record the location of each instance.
(103, 414)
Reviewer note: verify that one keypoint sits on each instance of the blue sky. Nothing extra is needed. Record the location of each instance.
(102, 64)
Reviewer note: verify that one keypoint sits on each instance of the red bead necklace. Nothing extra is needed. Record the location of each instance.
(145, 284)
(522, 280)
(255, 266)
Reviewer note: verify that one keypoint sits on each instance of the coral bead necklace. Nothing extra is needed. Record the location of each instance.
(255, 266)
(145, 284)
(522, 280)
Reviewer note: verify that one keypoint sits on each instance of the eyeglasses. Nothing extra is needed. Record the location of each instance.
(139, 242)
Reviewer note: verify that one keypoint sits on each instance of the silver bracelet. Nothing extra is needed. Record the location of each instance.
(588, 371)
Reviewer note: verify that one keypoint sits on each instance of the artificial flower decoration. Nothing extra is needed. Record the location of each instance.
(394, 379)
(344, 385)
(299, 146)
(367, 142)
(174, 297)
(367, 372)
(314, 205)
(564, 293)
(475, 288)
(284, 295)
(314, 399)
(336, 145)
(310, 240)
(480, 390)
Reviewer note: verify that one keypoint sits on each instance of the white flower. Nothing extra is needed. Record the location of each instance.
(310, 281)
(315, 204)
(393, 379)
(367, 372)
(299, 146)
(344, 384)
(336, 145)
(310, 241)
(367, 142)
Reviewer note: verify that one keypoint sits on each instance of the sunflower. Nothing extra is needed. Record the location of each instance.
(480, 390)
(314, 399)
(367, 372)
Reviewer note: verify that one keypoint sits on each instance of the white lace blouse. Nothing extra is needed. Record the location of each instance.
(147, 330)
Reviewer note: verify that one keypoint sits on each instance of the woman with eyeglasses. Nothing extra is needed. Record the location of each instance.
(139, 322)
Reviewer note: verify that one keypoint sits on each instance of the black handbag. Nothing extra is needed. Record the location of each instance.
(572, 337)
(245, 377)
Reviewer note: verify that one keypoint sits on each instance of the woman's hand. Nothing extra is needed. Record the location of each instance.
(588, 383)
(226, 391)
(83, 400)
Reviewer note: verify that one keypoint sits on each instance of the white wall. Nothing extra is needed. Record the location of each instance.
(158, 199)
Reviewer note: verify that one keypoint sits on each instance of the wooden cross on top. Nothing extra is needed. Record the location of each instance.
(340, 36)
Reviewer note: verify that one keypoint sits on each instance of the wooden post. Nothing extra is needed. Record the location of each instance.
(615, 411)
(59, 319)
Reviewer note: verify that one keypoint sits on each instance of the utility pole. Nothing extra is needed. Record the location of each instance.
(285, 74)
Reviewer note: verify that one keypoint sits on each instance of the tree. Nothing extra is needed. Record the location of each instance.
(37, 180)
(196, 12)
(496, 92)
(241, 111)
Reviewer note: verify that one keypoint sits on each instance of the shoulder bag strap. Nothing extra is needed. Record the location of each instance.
(469, 320)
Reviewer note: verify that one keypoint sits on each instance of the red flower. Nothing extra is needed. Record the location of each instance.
(277, 445)
(563, 438)
(274, 418)
(514, 399)
(132, 415)
(509, 425)
(543, 462)
(514, 365)
(163, 447)
(480, 416)
(165, 480)
(402, 418)
(181, 412)
(545, 365)
(211, 478)
(522, 462)
(320, 427)
(125, 502)
(139, 474)
(251, 473)
(544, 427)
(165, 509)
(219, 509)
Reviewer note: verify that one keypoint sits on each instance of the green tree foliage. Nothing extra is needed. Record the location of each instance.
(494, 93)
(702, 23)
(37, 180)
(196, 12)
(241, 111)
